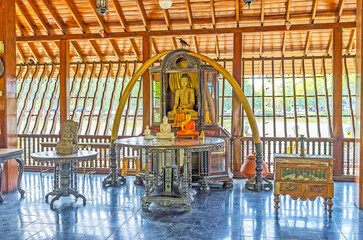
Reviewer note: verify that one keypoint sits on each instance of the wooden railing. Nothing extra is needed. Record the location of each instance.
(36, 143)
(318, 146)
(321, 146)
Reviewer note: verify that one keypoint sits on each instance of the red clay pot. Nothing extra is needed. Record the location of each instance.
(248, 167)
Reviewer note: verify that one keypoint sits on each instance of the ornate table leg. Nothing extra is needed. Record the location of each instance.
(325, 203)
(186, 181)
(1, 181)
(277, 203)
(330, 204)
(20, 174)
(55, 182)
(145, 204)
(55, 198)
(204, 172)
(114, 178)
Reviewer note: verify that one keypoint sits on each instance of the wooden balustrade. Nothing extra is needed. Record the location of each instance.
(320, 146)
(36, 143)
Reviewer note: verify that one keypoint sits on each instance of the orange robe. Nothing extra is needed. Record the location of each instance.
(188, 126)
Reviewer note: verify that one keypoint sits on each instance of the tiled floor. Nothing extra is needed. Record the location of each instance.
(115, 213)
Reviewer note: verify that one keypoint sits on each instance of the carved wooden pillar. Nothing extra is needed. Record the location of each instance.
(8, 106)
(358, 178)
(146, 83)
(337, 100)
(64, 91)
(236, 104)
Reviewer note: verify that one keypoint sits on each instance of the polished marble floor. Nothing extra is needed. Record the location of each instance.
(115, 213)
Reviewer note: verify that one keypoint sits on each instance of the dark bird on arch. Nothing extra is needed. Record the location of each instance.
(31, 61)
(183, 43)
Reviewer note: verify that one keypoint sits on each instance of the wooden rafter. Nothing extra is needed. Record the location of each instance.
(26, 17)
(218, 54)
(309, 33)
(262, 11)
(34, 53)
(288, 7)
(339, 15)
(44, 24)
(83, 28)
(32, 26)
(168, 25)
(105, 28)
(237, 12)
(340, 9)
(21, 53)
(213, 13)
(75, 15)
(261, 44)
(47, 52)
(54, 16)
(351, 42)
(191, 23)
(190, 32)
(62, 27)
(124, 25)
(141, 7)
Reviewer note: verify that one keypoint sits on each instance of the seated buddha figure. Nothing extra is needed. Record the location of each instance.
(188, 127)
(165, 129)
(184, 100)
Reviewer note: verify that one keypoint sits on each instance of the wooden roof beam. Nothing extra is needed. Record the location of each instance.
(189, 13)
(78, 50)
(213, 13)
(191, 23)
(340, 9)
(120, 15)
(44, 24)
(105, 28)
(54, 16)
(75, 14)
(34, 53)
(140, 5)
(309, 33)
(330, 45)
(262, 11)
(351, 42)
(190, 32)
(288, 7)
(168, 25)
(47, 52)
(237, 12)
(124, 25)
(261, 43)
(26, 17)
(20, 52)
(218, 54)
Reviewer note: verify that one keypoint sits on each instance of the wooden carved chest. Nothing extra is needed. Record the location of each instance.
(304, 177)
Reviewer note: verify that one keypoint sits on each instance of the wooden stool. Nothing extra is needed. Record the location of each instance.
(125, 164)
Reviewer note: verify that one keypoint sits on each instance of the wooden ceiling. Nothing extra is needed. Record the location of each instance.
(45, 18)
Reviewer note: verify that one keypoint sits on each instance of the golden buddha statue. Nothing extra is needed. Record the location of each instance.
(188, 127)
(184, 100)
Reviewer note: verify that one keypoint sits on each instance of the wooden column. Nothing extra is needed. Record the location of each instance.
(337, 100)
(8, 106)
(146, 83)
(64, 92)
(358, 178)
(236, 105)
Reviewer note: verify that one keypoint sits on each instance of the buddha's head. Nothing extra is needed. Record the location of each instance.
(188, 116)
(184, 81)
(165, 119)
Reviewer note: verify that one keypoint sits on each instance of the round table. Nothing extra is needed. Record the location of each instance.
(65, 170)
(166, 186)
